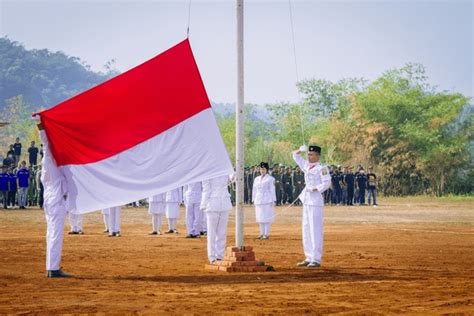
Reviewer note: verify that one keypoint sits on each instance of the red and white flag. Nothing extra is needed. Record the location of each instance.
(144, 132)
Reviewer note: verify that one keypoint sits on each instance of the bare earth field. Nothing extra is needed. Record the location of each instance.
(411, 256)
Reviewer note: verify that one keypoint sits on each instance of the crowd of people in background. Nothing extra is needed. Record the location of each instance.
(20, 184)
(348, 187)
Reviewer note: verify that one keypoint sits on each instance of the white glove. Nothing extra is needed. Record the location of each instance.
(304, 148)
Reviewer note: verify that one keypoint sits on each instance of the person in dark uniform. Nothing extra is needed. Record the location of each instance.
(362, 185)
(327, 195)
(372, 186)
(17, 149)
(250, 178)
(12, 188)
(298, 180)
(33, 154)
(343, 183)
(9, 161)
(246, 186)
(356, 191)
(276, 173)
(287, 180)
(349, 180)
(336, 187)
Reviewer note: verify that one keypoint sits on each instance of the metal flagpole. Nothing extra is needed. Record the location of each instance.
(239, 129)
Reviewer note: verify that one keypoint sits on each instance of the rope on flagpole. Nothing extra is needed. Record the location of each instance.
(296, 71)
(189, 18)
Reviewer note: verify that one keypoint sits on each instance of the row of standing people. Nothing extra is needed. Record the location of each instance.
(347, 187)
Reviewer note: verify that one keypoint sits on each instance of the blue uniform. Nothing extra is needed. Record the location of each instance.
(23, 177)
(4, 179)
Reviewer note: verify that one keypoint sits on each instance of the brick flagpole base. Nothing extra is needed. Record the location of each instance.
(236, 260)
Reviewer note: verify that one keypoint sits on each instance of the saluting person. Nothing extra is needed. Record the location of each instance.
(317, 180)
(264, 198)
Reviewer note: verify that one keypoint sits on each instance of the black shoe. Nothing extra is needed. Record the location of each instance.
(190, 236)
(171, 231)
(203, 233)
(106, 231)
(73, 233)
(57, 274)
(112, 234)
(153, 233)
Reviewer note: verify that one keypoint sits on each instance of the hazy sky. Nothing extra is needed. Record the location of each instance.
(334, 39)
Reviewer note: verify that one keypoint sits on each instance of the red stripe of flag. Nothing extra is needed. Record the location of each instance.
(128, 109)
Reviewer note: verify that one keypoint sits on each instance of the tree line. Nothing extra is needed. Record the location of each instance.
(419, 139)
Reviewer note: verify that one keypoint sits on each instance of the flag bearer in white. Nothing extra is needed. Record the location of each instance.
(105, 214)
(55, 209)
(156, 208)
(75, 220)
(192, 200)
(215, 203)
(173, 200)
(318, 180)
(264, 198)
(114, 221)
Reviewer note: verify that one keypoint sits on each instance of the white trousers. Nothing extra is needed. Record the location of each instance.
(156, 222)
(216, 234)
(55, 214)
(75, 220)
(114, 219)
(313, 232)
(172, 223)
(264, 229)
(193, 219)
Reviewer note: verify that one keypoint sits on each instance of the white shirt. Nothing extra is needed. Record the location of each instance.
(192, 193)
(157, 198)
(316, 176)
(174, 196)
(215, 195)
(264, 190)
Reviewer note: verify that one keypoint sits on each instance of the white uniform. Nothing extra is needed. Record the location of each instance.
(192, 199)
(264, 198)
(55, 208)
(157, 208)
(75, 220)
(114, 219)
(216, 204)
(316, 176)
(173, 199)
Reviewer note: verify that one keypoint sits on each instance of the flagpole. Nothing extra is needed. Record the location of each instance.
(239, 129)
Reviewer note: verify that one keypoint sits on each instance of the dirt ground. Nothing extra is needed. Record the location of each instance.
(406, 256)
